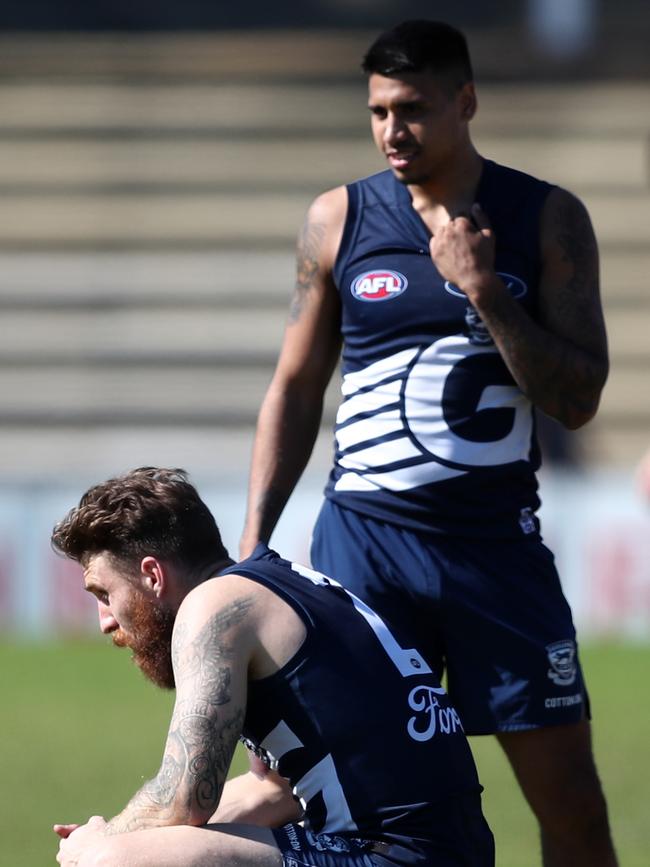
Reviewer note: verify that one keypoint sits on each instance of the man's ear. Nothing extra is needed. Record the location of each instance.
(153, 575)
(467, 101)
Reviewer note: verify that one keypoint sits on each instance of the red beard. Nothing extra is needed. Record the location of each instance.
(150, 639)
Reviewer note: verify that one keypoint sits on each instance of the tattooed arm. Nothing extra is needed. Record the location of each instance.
(291, 411)
(560, 363)
(211, 649)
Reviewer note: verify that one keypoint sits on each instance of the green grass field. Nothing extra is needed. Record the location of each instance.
(80, 729)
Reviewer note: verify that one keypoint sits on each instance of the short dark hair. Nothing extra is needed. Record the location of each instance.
(148, 511)
(419, 46)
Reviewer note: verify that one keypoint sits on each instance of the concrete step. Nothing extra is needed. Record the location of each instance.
(95, 278)
(155, 164)
(625, 398)
(299, 106)
(624, 275)
(122, 394)
(92, 279)
(221, 107)
(175, 335)
(206, 333)
(132, 221)
(45, 455)
(242, 221)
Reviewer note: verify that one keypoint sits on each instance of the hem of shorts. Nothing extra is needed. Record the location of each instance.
(518, 727)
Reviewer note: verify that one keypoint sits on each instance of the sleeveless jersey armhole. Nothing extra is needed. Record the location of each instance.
(350, 230)
(303, 613)
(541, 195)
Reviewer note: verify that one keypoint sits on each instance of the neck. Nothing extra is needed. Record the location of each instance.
(204, 573)
(453, 188)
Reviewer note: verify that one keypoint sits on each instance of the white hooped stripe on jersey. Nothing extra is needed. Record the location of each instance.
(372, 375)
(408, 662)
(380, 424)
(322, 779)
(381, 454)
(397, 480)
(390, 398)
(279, 741)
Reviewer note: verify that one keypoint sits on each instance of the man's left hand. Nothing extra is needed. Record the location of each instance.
(74, 845)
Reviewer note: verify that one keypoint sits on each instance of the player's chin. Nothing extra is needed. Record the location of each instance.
(409, 175)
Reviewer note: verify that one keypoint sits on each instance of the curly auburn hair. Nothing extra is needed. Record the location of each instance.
(148, 511)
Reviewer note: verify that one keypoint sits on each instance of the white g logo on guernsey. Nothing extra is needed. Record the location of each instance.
(410, 419)
(431, 716)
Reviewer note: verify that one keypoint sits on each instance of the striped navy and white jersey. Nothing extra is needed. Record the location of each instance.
(357, 720)
(432, 431)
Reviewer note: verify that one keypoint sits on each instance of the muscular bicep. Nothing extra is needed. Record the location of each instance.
(312, 338)
(569, 294)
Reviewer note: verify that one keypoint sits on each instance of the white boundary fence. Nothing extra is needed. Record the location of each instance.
(596, 523)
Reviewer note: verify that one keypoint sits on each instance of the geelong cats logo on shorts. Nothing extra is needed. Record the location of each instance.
(562, 656)
(378, 285)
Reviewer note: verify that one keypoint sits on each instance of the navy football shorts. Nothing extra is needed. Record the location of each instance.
(489, 612)
(301, 848)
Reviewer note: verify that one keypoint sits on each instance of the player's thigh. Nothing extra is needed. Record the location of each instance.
(555, 768)
(387, 567)
(512, 657)
(186, 846)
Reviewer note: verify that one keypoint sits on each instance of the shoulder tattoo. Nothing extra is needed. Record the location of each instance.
(575, 237)
(310, 244)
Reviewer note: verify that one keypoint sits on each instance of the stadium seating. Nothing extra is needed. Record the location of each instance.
(152, 188)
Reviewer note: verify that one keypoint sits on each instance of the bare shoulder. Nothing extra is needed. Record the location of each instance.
(215, 628)
(317, 248)
(226, 592)
(242, 613)
(331, 206)
(320, 234)
(231, 600)
(570, 303)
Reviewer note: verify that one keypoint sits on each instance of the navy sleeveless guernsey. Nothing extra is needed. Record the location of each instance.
(432, 433)
(357, 721)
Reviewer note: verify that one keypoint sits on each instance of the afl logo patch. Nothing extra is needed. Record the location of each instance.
(378, 285)
(514, 285)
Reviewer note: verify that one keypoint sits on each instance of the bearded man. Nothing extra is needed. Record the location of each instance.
(359, 758)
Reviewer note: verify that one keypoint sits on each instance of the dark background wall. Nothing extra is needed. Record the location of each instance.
(202, 14)
(611, 42)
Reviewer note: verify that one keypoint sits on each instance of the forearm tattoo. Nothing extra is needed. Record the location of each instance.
(560, 375)
(201, 737)
(310, 243)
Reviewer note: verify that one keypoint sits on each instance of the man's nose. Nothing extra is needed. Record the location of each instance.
(394, 130)
(107, 623)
